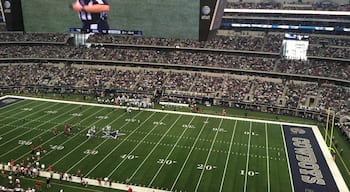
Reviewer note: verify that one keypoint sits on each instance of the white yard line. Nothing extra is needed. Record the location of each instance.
(17, 102)
(287, 157)
(207, 159)
(16, 108)
(171, 151)
(45, 154)
(21, 119)
(115, 148)
(136, 146)
(14, 115)
(267, 160)
(338, 178)
(154, 148)
(228, 157)
(94, 182)
(15, 148)
(102, 141)
(162, 111)
(82, 143)
(188, 156)
(340, 181)
(247, 164)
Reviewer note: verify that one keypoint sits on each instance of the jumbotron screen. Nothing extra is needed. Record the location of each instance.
(156, 18)
(294, 47)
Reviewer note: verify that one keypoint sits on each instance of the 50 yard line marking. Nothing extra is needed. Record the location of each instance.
(210, 150)
(228, 157)
(267, 160)
(110, 123)
(82, 143)
(188, 156)
(115, 148)
(247, 164)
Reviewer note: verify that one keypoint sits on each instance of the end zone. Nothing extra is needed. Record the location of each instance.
(311, 165)
(5, 101)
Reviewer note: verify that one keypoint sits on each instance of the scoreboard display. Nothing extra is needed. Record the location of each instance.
(156, 18)
(294, 47)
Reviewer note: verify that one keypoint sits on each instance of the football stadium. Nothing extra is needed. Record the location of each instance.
(175, 96)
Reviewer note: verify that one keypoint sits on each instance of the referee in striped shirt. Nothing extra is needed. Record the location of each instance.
(93, 14)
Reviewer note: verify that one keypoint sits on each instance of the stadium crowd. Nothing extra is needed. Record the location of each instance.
(321, 46)
(102, 81)
(325, 68)
(326, 5)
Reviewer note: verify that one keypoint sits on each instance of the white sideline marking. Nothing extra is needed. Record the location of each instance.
(94, 182)
(267, 160)
(20, 119)
(247, 164)
(228, 157)
(285, 149)
(338, 178)
(13, 149)
(13, 116)
(161, 111)
(335, 171)
(17, 102)
(206, 161)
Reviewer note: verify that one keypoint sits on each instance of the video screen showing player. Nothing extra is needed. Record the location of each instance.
(93, 14)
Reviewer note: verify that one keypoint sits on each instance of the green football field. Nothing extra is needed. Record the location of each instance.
(173, 152)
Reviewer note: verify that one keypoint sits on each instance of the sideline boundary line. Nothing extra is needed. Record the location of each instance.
(330, 162)
(287, 157)
(267, 160)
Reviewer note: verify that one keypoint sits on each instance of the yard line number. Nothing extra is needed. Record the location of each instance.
(57, 147)
(51, 112)
(129, 156)
(166, 161)
(188, 126)
(90, 152)
(158, 123)
(23, 142)
(206, 167)
(76, 114)
(27, 109)
(102, 117)
(249, 173)
(250, 133)
(219, 129)
(130, 120)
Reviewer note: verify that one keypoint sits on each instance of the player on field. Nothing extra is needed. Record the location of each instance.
(67, 128)
(55, 131)
(92, 13)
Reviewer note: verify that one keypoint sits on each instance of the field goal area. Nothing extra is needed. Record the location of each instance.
(160, 150)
